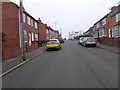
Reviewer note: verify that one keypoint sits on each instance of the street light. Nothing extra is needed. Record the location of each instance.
(21, 31)
(61, 32)
(55, 24)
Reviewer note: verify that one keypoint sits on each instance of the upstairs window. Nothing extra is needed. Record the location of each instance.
(36, 27)
(24, 17)
(31, 22)
(117, 17)
(104, 21)
(28, 20)
(97, 25)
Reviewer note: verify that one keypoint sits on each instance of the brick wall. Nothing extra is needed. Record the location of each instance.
(110, 41)
(42, 31)
(33, 46)
(10, 26)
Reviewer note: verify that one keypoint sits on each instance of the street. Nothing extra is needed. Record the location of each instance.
(74, 66)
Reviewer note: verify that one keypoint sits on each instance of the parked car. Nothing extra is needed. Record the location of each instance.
(80, 40)
(89, 41)
(53, 44)
(61, 40)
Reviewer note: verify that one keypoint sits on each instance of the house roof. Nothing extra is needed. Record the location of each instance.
(24, 11)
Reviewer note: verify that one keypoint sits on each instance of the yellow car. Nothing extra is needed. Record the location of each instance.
(53, 43)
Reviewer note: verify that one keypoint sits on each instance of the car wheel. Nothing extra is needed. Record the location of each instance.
(95, 45)
(46, 49)
(58, 49)
(82, 44)
(85, 45)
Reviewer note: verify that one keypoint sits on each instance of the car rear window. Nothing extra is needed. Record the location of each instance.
(90, 38)
(81, 38)
(52, 41)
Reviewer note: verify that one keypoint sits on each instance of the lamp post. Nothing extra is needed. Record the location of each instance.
(22, 31)
(55, 24)
(61, 32)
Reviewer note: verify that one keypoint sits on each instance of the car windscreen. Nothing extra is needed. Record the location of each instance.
(52, 41)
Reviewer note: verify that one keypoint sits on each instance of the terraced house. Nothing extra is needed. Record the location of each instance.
(107, 29)
(51, 33)
(34, 31)
(11, 27)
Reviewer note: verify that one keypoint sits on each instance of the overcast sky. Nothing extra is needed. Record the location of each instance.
(70, 15)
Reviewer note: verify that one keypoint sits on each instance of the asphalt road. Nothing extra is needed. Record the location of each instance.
(74, 66)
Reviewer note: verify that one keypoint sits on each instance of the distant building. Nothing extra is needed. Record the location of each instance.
(51, 33)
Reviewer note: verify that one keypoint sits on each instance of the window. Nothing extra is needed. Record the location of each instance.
(36, 25)
(97, 25)
(31, 22)
(50, 31)
(28, 20)
(47, 31)
(102, 32)
(30, 39)
(32, 36)
(24, 17)
(95, 34)
(117, 17)
(104, 21)
(47, 37)
(36, 37)
(116, 31)
(25, 36)
(109, 32)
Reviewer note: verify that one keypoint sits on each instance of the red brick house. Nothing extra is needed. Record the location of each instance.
(31, 31)
(34, 31)
(11, 27)
(51, 33)
(107, 29)
(42, 30)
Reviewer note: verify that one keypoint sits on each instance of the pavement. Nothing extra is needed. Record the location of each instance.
(111, 48)
(10, 63)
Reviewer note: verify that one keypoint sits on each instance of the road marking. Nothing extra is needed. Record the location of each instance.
(17, 66)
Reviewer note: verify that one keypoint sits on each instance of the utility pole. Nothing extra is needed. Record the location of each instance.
(22, 31)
